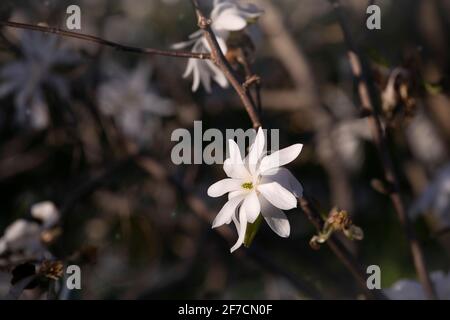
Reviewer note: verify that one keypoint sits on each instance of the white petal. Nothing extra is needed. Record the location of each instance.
(242, 229)
(252, 206)
(217, 74)
(233, 194)
(281, 157)
(278, 196)
(285, 178)
(256, 151)
(195, 77)
(226, 213)
(221, 39)
(275, 218)
(234, 166)
(229, 20)
(223, 186)
(189, 68)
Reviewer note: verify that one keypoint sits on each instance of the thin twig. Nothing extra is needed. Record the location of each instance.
(100, 41)
(367, 105)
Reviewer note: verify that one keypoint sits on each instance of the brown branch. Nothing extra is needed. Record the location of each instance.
(100, 41)
(221, 62)
(367, 105)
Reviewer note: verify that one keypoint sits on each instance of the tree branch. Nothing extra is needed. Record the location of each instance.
(367, 106)
(100, 41)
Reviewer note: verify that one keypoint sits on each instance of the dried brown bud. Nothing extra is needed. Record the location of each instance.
(338, 219)
(51, 269)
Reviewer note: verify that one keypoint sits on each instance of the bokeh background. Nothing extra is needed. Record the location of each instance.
(88, 128)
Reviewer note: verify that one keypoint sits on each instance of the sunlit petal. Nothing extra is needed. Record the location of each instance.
(280, 158)
(278, 196)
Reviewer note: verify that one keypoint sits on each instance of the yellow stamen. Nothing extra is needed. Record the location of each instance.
(247, 185)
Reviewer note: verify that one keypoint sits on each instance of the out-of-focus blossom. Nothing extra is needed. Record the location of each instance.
(347, 133)
(257, 184)
(26, 239)
(407, 289)
(348, 137)
(27, 76)
(227, 16)
(134, 105)
(425, 142)
(435, 198)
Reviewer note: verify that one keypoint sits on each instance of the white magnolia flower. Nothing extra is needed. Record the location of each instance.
(22, 240)
(227, 16)
(407, 289)
(27, 76)
(132, 102)
(257, 185)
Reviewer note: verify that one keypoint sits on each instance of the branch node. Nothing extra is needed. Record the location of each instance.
(203, 22)
(251, 80)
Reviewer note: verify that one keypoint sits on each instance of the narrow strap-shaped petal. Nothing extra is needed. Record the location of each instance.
(275, 218)
(252, 206)
(242, 229)
(225, 214)
(278, 196)
(280, 158)
(217, 74)
(224, 186)
(256, 151)
(234, 166)
(195, 76)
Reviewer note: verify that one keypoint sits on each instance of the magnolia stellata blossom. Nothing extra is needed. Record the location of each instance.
(133, 103)
(227, 16)
(26, 77)
(257, 185)
(23, 239)
(406, 289)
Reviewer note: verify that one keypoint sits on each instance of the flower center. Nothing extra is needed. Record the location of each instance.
(247, 185)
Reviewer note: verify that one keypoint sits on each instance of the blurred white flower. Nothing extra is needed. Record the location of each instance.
(425, 141)
(23, 239)
(257, 185)
(227, 16)
(27, 76)
(133, 104)
(46, 213)
(406, 289)
(435, 198)
(348, 132)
